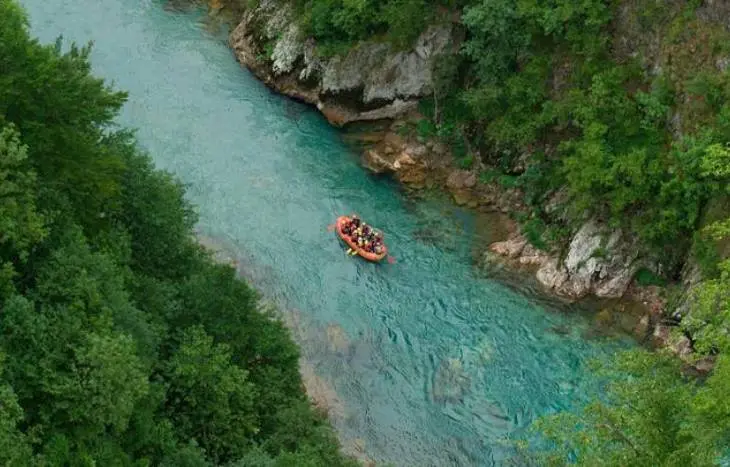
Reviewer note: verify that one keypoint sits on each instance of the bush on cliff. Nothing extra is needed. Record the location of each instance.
(121, 342)
(543, 85)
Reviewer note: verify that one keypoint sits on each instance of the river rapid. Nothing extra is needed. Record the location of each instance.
(426, 362)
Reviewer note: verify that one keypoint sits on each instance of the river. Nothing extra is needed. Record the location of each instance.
(431, 362)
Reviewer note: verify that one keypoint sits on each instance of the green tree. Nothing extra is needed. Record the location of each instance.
(62, 112)
(210, 399)
(14, 446)
(20, 223)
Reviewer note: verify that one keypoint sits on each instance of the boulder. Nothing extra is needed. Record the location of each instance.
(599, 261)
(642, 327)
(383, 162)
(531, 256)
(461, 179)
(661, 335)
(552, 275)
(681, 346)
(509, 248)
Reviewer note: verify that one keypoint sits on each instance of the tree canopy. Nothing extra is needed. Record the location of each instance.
(121, 342)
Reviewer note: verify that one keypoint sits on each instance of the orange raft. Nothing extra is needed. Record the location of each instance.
(341, 221)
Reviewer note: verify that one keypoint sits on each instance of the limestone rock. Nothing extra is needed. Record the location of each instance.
(371, 82)
(598, 260)
(286, 51)
(642, 327)
(509, 248)
(376, 162)
(531, 256)
(681, 346)
(461, 179)
(551, 275)
(383, 162)
(704, 365)
(661, 335)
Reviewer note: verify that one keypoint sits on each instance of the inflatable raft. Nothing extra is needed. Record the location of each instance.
(343, 220)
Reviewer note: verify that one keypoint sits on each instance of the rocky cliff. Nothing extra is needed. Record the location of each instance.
(373, 81)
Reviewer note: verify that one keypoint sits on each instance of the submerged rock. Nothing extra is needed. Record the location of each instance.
(337, 338)
(450, 383)
(322, 395)
(356, 448)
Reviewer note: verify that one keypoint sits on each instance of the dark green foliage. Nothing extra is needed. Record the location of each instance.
(338, 24)
(537, 81)
(534, 230)
(643, 422)
(209, 399)
(644, 277)
(121, 342)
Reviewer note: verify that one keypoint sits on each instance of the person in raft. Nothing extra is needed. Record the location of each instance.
(352, 228)
(363, 236)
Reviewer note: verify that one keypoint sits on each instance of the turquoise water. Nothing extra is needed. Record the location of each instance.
(432, 364)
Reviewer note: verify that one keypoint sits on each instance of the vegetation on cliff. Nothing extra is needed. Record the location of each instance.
(121, 342)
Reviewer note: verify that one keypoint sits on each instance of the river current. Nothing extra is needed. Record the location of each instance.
(426, 361)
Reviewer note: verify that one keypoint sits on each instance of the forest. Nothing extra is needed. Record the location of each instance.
(121, 342)
(617, 110)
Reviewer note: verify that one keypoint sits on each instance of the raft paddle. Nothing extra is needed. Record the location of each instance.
(391, 259)
(331, 227)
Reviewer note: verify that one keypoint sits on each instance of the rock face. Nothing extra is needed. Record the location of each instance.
(371, 82)
(598, 261)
